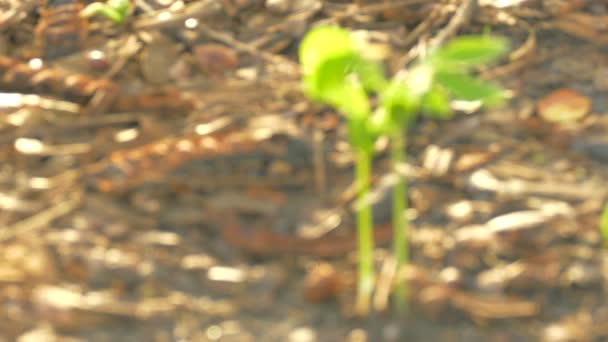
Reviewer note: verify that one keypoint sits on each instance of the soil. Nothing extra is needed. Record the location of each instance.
(165, 179)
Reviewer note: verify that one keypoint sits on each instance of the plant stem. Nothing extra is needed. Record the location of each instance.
(400, 222)
(365, 233)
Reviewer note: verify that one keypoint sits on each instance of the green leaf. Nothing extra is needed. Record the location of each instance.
(400, 103)
(115, 10)
(466, 52)
(329, 60)
(436, 103)
(322, 44)
(352, 101)
(371, 74)
(464, 87)
(327, 44)
(328, 78)
(332, 84)
(419, 79)
(380, 122)
(327, 56)
(119, 5)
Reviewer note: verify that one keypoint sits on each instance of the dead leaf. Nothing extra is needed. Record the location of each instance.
(563, 106)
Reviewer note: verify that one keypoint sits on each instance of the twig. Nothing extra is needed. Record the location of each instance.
(248, 48)
(129, 49)
(434, 18)
(43, 218)
(461, 17)
(385, 282)
(358, 9)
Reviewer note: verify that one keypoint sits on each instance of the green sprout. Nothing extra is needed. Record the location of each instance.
(604, 226)
(335, 73)
(428, 87)
(115, 10)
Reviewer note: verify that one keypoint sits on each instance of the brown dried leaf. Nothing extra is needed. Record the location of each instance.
(563, 106)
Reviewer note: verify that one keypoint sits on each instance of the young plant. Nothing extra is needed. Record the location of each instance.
(115, 10)
(428, 86)
(335, 73)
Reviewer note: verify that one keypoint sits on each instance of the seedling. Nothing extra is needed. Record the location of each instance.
(604, 226)
(442, 75)
(335, 73)
(115, 10)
